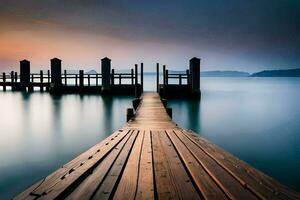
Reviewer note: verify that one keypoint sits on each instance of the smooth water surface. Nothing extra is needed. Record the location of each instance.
(256, 119)
(39, 133)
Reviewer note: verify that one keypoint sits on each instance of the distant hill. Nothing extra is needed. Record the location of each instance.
(278, 73)
(224, 74)
(91, 72)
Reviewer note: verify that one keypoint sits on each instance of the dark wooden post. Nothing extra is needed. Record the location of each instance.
(180, 81)
(136, 74)
(164, 75)
(195, 75)
(12, 76)
(157, 77)
(96, 79)
(24, 74)
(56, 73)
(41, 81)
(167, 77)
(120, 79)
(132, 77)
(89, 81)
(112, 76)
(4, 80)
(136, 80)
(32, 78)
(65, 73)
(188, 77)
(142, 75)
(16, 76)
(105, 71)
(76, 79)
(48, 75)
(81, 78)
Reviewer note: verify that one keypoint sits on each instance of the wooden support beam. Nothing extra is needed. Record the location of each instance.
(41, 80)
(157, 77)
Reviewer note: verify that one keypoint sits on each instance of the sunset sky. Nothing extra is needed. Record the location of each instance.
(226, 35)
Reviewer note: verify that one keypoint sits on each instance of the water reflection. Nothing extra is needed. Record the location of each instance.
(40, 132)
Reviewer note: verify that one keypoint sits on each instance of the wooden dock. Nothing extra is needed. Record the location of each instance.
(152, 158)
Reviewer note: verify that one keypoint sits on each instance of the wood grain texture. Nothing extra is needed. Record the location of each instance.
(152, 158)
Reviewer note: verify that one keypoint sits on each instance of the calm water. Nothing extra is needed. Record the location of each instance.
(256, 119)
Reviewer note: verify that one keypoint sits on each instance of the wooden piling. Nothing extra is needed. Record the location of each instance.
(97, 79)
(12, 76)
(164, 75)
(195, 75)
(105, 71)
(157, 77)
(136, 80)
(142, 74)
(76, 80)
(65, 76)
(16, 76)
(89, 81)
(180, 81)
(4, 81)
(41, 81)
(167, 77)
(188, 77)
(136, 74)
(24, 74)
(56, 80)
(112, 76)
(132, 77)
(81, 78)
(48, 75)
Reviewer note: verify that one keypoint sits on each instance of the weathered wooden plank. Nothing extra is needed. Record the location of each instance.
(60, 181)
(203, 181)
(26, 194)
(170, 177)
(260, 184)
(230, 186)
(127, 186)
(86, 189)
(145, 188)
(105, 191)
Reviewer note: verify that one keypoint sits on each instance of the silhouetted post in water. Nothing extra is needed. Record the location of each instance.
(4, 80)
(195, 75)
(65, 73)
(157, 77)
(142, 75)
(48, 75)
(89, 81)
(167, 77)
(16, 76)
(164, 75)
(136, 79)
(24, 74)
(41, 80)
(105, 71)
(180, 81)
(188, 77)
(12, 76)
(76, 79)
(120, 80)
(81, 79)
(56, 82)
(132, 77)
(96, 79)
(112, 76)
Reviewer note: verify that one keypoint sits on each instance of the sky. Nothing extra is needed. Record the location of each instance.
(227, 35)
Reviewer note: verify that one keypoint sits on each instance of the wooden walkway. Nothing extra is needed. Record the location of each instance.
(152, 158)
